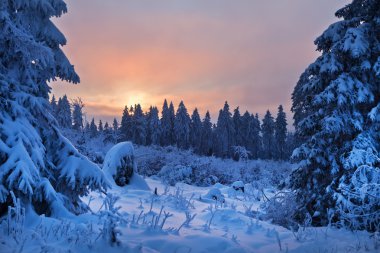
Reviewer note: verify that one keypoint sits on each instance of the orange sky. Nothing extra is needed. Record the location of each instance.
(249, 53)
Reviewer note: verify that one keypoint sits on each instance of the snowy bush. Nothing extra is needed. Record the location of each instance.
(282, 209)
(238, 186)
(179, 173)
(110, 219)
(119, 163)
(215, 194)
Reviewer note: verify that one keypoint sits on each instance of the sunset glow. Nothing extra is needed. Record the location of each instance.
(249, 53)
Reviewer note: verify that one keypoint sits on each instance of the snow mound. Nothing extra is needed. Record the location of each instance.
(119, 164)
(138, 183)
(238, 186)
(215, 194)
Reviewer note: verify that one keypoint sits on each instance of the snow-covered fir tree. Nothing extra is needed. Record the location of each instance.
(78, 106)
(167, 124)
(115, 129)
(53, 106)
(154, 127)
(280, 132)
(255, 143)
(224, 132)
(182, 127)
(38, 164)
(100, 127)
(206, 136)
(126, 125)
(93, 128)
(196, 131)
(64, 112)
(108, 134)
(336, 105)
(237, 120)
(267, 129)
(138, 126)
(172, 136)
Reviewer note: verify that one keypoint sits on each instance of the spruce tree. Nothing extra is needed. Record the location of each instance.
(77, 114)
(206, 136)
(172, 136)
(268, 136)
(53, 106)
(126, 125)
(225, 133)
(182, 127)
(37, 163)
(336, 105)
(100, 127)
(255, 147)
(115, 130)
(64, 112)
(237, 120)
(93, 128)
(138, 126)
(196, 131)
(115, 125)
(165, 125)
(153, 127)
(280, 132)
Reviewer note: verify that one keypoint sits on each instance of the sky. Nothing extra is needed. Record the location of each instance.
(204, 52)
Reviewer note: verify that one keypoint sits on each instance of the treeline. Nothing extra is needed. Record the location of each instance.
(233, 136)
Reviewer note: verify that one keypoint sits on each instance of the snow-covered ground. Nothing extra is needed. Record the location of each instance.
(216, 226)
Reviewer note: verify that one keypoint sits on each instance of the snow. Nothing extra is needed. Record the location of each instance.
(114, 159)
(231, 229)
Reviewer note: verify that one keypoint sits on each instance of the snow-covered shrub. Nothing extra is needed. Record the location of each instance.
(110, 219)
(37, 162)
(151, 165)
(15, 219)
(179, 173)
(119, 163)
(282, 210)
(238, 186)
(359, 202)
(215, 194)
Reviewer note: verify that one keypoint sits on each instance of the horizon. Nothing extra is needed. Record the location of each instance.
(200, 52)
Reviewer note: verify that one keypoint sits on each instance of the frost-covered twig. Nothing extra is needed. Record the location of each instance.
(186, 223)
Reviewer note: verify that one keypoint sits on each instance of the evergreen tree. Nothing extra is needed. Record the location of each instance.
(115, 125)
(54, 106)
(280, 132)
(78, 114)
(182, 127)
(336, 105)
(37, 164)
(255, 147)
(126, 125)
(87, 127)
(196, 131)
(153, 129)
(268, 136)
(138, 126)
(93, 129)
(206, 136)
(64, 112)
(167, 124)
(115, 130)
(100, 127)
(237, 120)
(108, 134)
(172, 136)
(225, 133)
